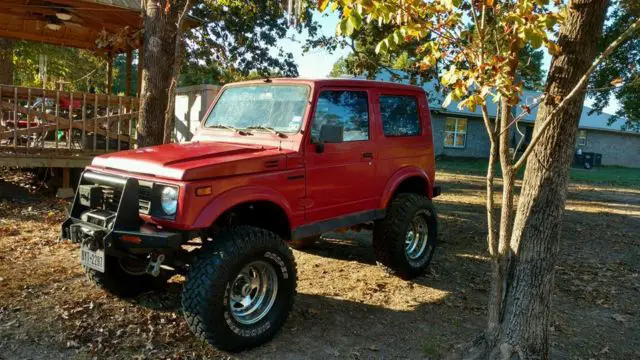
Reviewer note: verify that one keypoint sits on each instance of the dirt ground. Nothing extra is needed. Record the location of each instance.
(347, 307)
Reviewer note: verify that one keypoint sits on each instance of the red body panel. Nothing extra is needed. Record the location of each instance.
(309, 186)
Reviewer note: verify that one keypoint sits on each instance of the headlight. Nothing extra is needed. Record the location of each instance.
(169, 200)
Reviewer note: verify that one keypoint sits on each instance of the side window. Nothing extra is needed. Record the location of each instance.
(349, 109)
(582, 137)
(399, 115)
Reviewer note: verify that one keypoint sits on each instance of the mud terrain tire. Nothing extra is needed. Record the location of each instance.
(220, 299)
(398, 239)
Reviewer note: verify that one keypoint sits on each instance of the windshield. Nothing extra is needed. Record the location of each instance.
(279, 107)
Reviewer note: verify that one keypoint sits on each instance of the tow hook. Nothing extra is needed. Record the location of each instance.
(154, 265)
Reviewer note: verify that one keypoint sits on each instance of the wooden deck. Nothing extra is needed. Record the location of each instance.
(48, 128)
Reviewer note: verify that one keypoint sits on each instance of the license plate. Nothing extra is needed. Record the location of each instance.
(92, 259)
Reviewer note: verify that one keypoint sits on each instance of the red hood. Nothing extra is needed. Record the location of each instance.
(175, 161)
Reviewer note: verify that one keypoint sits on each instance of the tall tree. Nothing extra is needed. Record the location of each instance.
(238, 38)
(483, 66)
(6, 61)
(76, 69)
(619, 75)
(402, 62)
(520, 318)
(163, 21)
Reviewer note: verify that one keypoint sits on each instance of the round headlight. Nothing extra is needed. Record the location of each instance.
(169, 200)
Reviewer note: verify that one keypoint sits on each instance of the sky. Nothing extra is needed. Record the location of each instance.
(317, 63)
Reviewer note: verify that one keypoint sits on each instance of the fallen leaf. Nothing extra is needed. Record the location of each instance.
(620, 317)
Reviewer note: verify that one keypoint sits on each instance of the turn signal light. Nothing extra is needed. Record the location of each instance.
(204, 191)
(131, 239)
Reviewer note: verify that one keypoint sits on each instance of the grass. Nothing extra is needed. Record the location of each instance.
(602, 175)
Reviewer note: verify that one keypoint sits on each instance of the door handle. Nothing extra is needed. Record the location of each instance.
(367, 155)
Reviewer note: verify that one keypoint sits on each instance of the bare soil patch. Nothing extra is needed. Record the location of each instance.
(346, 306)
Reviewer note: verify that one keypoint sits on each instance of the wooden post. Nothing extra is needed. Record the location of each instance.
(66, 178)
(119, 119)
(28, 116)
(107, 137)
(57, 111)
(42, 110)
(131, 123)
(70, 119)
(95, 120)
(140, 67)
(109, 72)
(1, 110)
(15, 117)
(128, 70)
(84, 119)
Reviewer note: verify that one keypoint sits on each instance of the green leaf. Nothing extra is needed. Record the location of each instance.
(356, 20)
(396, 37)
(533, 36)
(382, 47)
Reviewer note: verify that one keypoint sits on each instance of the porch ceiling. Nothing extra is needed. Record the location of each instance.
(27, 20)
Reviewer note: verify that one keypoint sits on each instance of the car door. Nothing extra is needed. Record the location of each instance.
(340, 175)
(404, 133)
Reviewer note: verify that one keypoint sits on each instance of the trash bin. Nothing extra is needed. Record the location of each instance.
(588, 160)
(597, 159)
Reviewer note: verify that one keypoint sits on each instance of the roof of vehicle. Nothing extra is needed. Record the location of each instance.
(339, 82)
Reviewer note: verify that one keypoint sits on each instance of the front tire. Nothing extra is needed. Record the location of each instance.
(404, 241)
(240, 290)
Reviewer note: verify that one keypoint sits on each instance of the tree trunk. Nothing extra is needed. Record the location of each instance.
(161, 32)
(6, 61)
(170, 116)
(534, 244)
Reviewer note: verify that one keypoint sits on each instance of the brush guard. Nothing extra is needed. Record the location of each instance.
(117, 232)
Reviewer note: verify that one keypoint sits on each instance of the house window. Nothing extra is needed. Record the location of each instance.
(455, 132)
(582, 137)
(399, 115)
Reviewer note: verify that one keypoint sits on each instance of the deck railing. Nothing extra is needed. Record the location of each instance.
(36, 120)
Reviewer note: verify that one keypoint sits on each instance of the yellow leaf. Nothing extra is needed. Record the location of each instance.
(617, 81)
(322, 5)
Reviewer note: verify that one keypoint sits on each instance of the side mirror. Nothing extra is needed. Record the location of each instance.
(329, 134)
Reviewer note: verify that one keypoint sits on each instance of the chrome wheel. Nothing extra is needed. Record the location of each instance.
(253, 292)
(417, 238)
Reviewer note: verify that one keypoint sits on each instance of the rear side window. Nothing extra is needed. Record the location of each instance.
(349, 109)
(399, 115)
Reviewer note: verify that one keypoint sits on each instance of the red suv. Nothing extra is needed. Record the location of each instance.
(274, 163)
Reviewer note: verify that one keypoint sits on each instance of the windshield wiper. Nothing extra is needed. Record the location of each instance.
(267, 128)
(229, 127)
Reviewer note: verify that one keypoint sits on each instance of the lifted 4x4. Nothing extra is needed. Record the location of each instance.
(273, 163)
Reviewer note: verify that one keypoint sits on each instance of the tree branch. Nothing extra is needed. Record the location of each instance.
(576, 90)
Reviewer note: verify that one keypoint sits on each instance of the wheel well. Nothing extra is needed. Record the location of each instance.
(262, 214)
(413, 184)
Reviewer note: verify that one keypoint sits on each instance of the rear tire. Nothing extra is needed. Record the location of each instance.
(404, 241)
(240, 290)
(117, 281)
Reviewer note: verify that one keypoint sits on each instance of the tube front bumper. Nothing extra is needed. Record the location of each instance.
(113, 231)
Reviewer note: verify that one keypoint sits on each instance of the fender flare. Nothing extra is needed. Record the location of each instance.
(398, 177)
(238, 196)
